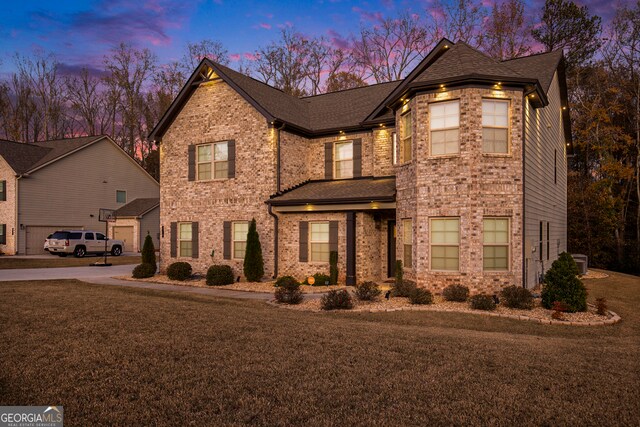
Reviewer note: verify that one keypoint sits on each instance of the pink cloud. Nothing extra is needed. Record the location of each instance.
(287, 24)
(338, 40)
(234, 57)
(265, 25)
(249, 56)
(368, 16)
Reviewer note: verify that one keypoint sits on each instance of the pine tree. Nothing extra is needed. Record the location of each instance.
(253, 262)
(149, 252)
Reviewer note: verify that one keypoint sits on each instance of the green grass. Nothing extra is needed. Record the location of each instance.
(125, 356)
(10, 262)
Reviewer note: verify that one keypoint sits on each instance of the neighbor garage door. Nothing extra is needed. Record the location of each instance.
(125, 234)
(37, 234)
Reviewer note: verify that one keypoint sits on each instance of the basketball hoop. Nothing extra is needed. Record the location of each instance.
(107, 215)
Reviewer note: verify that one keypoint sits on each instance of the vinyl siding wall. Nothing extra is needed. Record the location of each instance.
(77, 186)
(150, 223)
(544, 199)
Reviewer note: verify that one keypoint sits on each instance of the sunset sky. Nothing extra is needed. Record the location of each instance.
(81, 32)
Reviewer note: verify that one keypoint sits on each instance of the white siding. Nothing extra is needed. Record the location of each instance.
(544, 199)
(150, 223)
(72, 189)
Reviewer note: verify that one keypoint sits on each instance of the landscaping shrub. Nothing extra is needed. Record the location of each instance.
(399, 271)
(286, 281)
(367, 291)
(144, 270)
(149, 252)
(601, 306)
(253, 263)
(219, 275)
(558, 309)
(561, 283)
(337, 300)
(179, 271)
(483, 302)
(458, 293)
(288, 292)
(403, 289)
(333, 268)
(320, 280)
(421, 296)
(517, 297)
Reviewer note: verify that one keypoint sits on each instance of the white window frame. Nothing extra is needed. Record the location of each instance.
(406, 155)
(180, 239)
(234, 241)
(432, 245)
(312, 242)
(407, 243)
(212, 162)
(494, 126)
(444, 129)
(496, 244)
(125, 196)
(336, 161)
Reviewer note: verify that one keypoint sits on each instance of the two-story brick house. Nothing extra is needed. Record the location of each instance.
(459, 170)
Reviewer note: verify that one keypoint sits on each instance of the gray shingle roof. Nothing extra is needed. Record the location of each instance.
(540, 66)
(367, 189)
(24, 157)
(137, 207)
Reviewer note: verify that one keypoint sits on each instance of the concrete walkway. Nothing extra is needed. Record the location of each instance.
(104, 276)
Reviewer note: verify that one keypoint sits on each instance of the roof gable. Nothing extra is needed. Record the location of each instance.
(138, 207)
(541, 66)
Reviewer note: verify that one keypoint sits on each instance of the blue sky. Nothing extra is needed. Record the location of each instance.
(81, 32)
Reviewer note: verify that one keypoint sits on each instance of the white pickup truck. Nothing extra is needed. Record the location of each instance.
(82, 242)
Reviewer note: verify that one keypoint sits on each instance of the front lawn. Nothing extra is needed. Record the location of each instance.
(124, 356)
(11, 262)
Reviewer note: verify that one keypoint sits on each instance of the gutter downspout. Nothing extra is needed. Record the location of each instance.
(524, 222)
(275, 217)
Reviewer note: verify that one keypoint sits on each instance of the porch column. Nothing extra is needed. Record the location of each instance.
(351, 248)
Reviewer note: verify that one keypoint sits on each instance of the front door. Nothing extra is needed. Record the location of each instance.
(391, 248)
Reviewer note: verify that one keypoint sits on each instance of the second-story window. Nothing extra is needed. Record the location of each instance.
(121, 196)
(344, 159)
(495, 126)
(445, 127)
(3, 191)
(212, 161)
(406, 136)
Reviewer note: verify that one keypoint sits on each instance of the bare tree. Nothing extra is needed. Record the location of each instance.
(344, 80)
(507, 33)
(86, 101)
(283, 63)
(458, 20)
(214, 50)
(389, 49)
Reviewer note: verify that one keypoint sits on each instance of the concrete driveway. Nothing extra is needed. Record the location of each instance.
(82, 273)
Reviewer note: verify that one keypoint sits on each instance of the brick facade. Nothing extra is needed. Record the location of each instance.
(8, 208)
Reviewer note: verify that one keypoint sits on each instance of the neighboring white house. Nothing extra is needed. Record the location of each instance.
(62, 184)
(136, 220)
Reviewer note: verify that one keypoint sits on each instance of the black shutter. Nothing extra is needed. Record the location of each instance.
(226, 240)
(195, 248)
(304, 241)
(328, 160)
(3, 237)
(333, 236)
(192, 163)
(357, 157)
(174, 239)
(231, 150)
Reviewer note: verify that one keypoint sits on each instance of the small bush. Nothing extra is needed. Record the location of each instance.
(403, 289)
(286, 281)
(144, 270)
(179, 271)
(320, 280)
(517, 297)
(458, 293)
(149, 252)
(421, 296)
(367, 291)
(219, 275)
(559, 308)
(601, 306)
(288, 291)
(483, 302)
(337, 300)
(561, 283)
(333, 268)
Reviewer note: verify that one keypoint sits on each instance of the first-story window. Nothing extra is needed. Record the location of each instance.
(3, 234)
(319, 241)
(185, 239)
(121, 196)
(344, 159)
(212, 161)
(445, 244)
(240, 230)
(3, 191)
(407, 243)
(495, 250)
